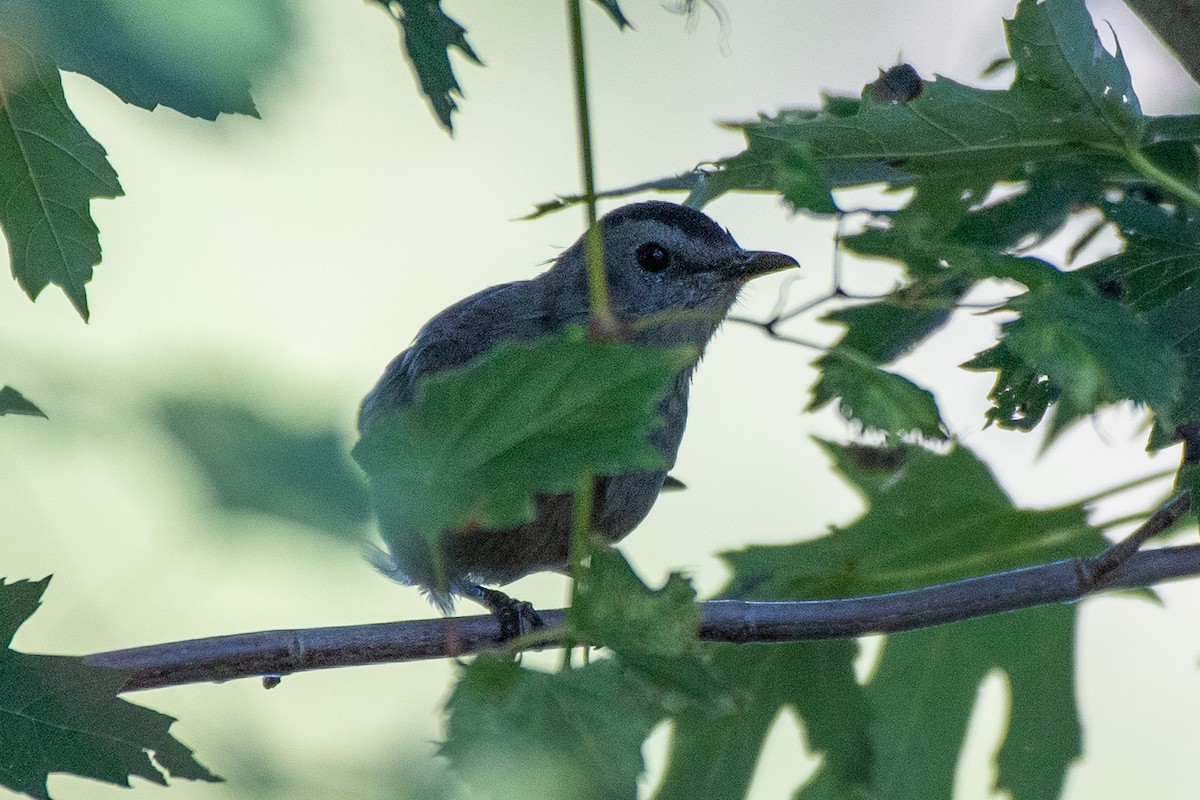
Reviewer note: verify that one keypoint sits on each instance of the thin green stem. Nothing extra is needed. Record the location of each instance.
(593, 251)
(1166, 180)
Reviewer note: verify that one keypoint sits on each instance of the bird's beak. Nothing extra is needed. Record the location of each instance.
(752, 263)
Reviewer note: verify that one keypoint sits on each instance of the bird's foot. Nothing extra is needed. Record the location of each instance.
(516, 617)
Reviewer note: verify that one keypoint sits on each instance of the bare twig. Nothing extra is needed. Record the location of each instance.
(272, 653)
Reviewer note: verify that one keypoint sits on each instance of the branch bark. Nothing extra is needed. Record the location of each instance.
(276, 653)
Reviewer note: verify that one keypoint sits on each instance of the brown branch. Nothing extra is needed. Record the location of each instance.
(272, 653)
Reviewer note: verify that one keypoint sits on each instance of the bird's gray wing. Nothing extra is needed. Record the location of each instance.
(458, 335)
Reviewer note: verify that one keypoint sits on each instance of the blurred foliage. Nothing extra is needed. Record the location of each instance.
(930, 519)
(199, 60)
(13, 402)
(256, 463)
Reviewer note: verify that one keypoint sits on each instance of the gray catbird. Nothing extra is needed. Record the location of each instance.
(659, 258)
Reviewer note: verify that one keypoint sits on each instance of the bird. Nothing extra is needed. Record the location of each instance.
(659, 258)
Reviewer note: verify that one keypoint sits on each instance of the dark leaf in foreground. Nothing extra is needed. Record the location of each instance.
(58, 715)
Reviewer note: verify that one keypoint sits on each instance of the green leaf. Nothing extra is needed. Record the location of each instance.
(803, 182)
(925, 689)
(874, 398)
(955, 521)
(1161, 256)
(13, 402)
(428, 35)
(1055, 47)
(612, 8)
(151, 54)
(1021, 395)
(814, 679)
(479, 442)
(256, 463)
(50, 169)
(1178, 320)
(516, 733)
(652, 632)
(60, 715)
(1094, 350)
(886, 329)
(937, 238)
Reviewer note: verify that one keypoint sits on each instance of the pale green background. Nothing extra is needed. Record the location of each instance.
(284, 261)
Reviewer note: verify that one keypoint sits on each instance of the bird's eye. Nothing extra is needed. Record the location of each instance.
(653, 257)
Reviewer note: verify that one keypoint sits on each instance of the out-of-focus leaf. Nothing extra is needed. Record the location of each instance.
(198, 60)
(1178, 320)
(874, 398)
(428, 35)
(926, 686)
(1021, 395)
(518, 733)
(59, 715)
(1161, 256)
(815, 679)
(613, 9)
(888, 328)
(50, 169)
(955, 521)
(256, 463)
(1093, 349)
(479, 442)
(652, 632)
(13, 402)
(1055, 47)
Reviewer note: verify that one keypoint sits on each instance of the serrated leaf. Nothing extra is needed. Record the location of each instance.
(1021, 395)
(428, 35)
(253, 462)
(59, 715)
(803, 182)
(151, 54)
(924, 692)
(515, 733)
(653, 632)
(886, 329)
(814, 679)
(528, 417)
(955, 521)
(50, 169)
(938, 239)
(13, 402)
(874, 398)
(1094, 350)
(1161, 255)
(1055, 47)
(1178, 320)
(613, 9)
